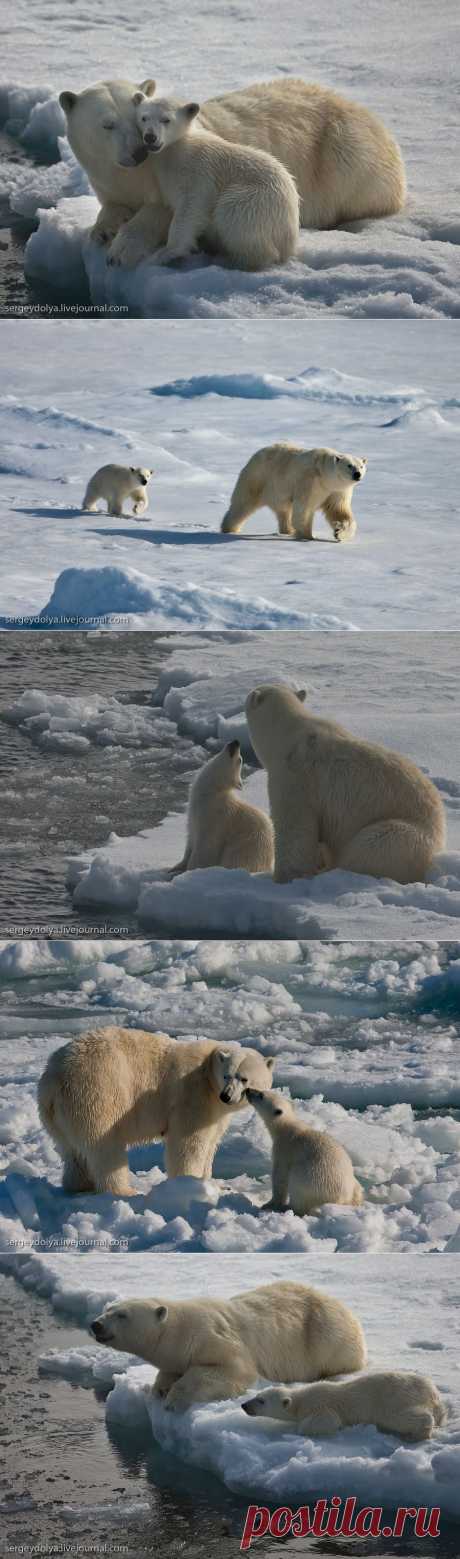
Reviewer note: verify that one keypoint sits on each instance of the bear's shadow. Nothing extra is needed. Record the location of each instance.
(53, 514)
(191, 538)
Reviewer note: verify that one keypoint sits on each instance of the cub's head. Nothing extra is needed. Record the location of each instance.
(275, 1402)
(342, 470)
(235, 1070)
(163, 121)
(102, 127)
(272, 1107)
(131, 1325)
(267, 707)
(142, 474)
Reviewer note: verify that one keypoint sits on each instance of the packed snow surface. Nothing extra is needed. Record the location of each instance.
(409, 1311)
(194, 401)
(366, 1040)
(405, 265)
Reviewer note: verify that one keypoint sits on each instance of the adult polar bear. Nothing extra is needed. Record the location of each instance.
(344, 161)
(209, 1349)
(372, 810)
(115, 1088)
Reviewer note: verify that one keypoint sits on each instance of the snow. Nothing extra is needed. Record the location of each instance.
(409, 1311)
(405, 266)
(72, 406)
(406, 701)
(366, 1040)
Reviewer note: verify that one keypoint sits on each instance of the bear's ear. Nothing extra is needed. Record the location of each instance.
(139, 97)
(286, 1401)
(68, 101)
(270, 1062)
(301, 694)
(257, 695)
(224, 1055)
(191, 110)
(161, 1312)
(148, 87)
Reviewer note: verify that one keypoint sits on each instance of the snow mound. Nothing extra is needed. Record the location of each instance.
(314, 384)
(56, 723)
(83, 596)
(33, 116)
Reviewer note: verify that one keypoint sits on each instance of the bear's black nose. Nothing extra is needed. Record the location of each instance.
(357, 476)
(97, 1328)
(226, 1096)
(248, 1407)
(144, 481)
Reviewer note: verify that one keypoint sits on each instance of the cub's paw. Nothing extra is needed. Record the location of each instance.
(165, 256)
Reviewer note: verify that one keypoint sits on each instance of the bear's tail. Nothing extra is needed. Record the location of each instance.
(46, 1097)
(358, 1194)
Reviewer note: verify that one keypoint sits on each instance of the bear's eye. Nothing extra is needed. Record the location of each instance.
(243, 1079)
(121, 1315)
(166, 120)
(109, 124)
(277, 1112)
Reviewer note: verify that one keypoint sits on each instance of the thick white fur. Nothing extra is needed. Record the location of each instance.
(234, 199)
(309, 1167)
(373, 811)
(222, 829)
(398, 1402)
(116, 484)
(294, 483)
(343, 160)
(115, 1088)
(209, 1349)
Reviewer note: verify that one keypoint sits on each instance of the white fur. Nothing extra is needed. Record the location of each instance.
(397, 1402)
(209, 1349)
(116, 484)
(308, 1167)
(343, 160)
(115, 1088)
(223, 830)
(233, 199)
(372, 810)
(294, 483)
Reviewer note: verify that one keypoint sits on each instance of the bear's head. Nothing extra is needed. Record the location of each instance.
(131, 1325)
(222, 772)
(163, 121)
(272, 1107)
(142, 474)
(341, 471)
(234, 1070)
(102, 127)
(269, 709)
(275, 1402)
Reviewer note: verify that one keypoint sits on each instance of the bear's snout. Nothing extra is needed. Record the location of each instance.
(357, 476)
(226, 1096)
(98, 1330)
(150, 139)
(249, 1408)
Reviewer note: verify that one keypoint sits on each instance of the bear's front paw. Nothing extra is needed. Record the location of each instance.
(128, 249)
(165, 256)
(344, 532)
(108, 224)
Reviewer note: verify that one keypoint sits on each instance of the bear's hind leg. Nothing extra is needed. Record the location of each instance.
(236, 515)
(110, 1175)
(115, 510)
(389, 849)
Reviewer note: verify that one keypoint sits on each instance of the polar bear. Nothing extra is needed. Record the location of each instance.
(343, 160)
(115, 484)
(209, 1349)
(308, 1167)
(223, 830)
(231, 199)
(294, 483)
(115, 1088)
(373, 810)
(397, 1401)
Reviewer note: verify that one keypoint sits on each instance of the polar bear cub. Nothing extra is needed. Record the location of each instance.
(222, 829)
(398, 1402)
(372, 810)
(209, 1349)
(240, 201)
(294, 483)
(116, 484)
(116, 1088)
(308, 1167)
